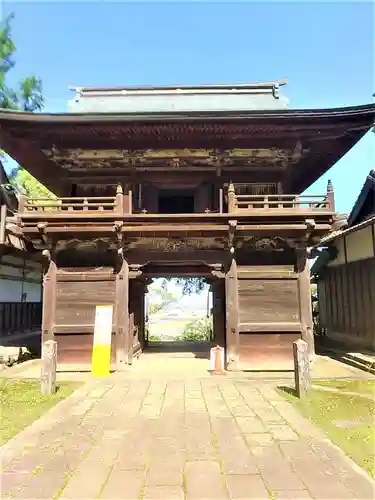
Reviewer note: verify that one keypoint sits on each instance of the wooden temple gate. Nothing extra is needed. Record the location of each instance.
(258, 310)
(188, 193)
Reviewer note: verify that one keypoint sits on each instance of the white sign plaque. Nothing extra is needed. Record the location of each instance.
(103, 325)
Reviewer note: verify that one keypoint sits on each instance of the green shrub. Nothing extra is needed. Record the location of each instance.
(199, 330)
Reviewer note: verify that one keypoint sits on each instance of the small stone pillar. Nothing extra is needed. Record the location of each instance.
(302, 375)
(49, 364)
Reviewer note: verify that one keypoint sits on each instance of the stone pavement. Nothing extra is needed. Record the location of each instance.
(209, 439)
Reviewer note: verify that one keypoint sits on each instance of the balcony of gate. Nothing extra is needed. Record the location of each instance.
(279, 204)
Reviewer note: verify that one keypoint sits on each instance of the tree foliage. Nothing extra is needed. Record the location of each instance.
(27, 185)
(28, 96)
(189, 285)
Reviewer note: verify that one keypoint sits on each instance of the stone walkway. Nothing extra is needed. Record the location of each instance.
(209, 439)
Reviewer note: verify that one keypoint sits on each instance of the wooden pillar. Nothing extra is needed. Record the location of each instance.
(232, 315)
(231, 199)
(122, 312)
(136, 300)
(305, 307)
(142, 324)
(218, 313)
(49, 296)
(330, 196)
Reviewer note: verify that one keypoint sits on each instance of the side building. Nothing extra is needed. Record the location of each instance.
(345, 275)
(20, 277)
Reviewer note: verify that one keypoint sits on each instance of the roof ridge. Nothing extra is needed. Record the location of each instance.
(83, 88)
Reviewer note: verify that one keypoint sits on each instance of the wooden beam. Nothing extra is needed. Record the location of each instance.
(122, 312)
(113, 176)
(305, 307)
(269, 327)
(145, 257)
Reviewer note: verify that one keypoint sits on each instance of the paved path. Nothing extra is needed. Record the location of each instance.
(211, 439)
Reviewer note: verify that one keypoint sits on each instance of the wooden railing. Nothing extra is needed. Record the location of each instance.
(91, 204)
(238, 203)
(280, 202)
(118, 204)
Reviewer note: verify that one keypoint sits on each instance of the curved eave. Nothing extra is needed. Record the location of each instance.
(364, 111)
(330, 132)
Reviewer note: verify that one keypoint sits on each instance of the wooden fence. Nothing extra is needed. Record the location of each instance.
(17, 317)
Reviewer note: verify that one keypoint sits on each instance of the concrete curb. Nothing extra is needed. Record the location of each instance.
(365, 362)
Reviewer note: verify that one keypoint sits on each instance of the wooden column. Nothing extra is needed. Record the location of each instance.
(231, 199)
(305, 307)
(330, 196)
(49, 296)
(232, 332)
(218, 301)
(136, 298)
(142, 324)
(122, 312)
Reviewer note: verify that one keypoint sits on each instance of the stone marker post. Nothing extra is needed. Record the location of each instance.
(302, 374)
(48, 373)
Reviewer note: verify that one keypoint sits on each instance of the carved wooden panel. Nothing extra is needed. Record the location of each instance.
(268, 301)
(257, 189)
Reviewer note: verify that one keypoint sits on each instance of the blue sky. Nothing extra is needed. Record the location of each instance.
(326, 50)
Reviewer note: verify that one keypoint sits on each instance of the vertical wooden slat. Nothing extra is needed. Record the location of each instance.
(345, 300)
(321, 302)
(360, 304)
(329, 301)
(371, 275)
(370, 326)
(352, 302)
(333, 299)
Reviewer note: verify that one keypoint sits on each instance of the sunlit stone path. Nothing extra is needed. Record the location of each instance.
(213, 438)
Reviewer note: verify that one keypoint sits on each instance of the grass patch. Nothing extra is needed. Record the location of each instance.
(21, 403)
(347, 420)
(361, 386)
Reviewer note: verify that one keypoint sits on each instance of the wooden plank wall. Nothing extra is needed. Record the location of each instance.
(77, 294)
(268, 316)
(347, 303)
